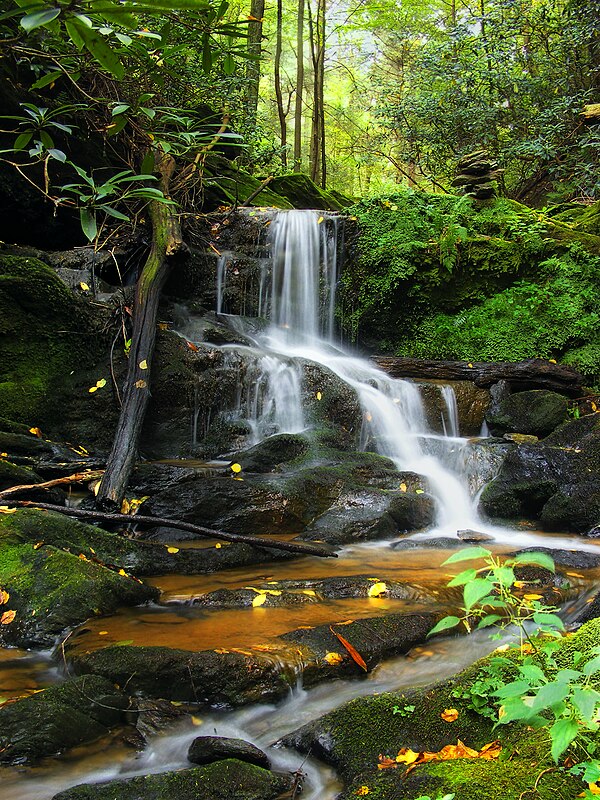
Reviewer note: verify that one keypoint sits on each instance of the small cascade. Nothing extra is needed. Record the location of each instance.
(297, 295)
(450, 422)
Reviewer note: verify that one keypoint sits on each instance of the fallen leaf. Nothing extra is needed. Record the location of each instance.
(143, 364)
(140, 384)
(309, 592)
(101, 383)
(102, 633)
(218, 545)
(333, 658)
(7, 617)
(172, 549)
(353, 653)
(7, 510)
(318, 395)
(362, 791)
(574, 575)
(491, 750)
(403, 487)
(36, 432)
(449, 715)
(236, 468)
(259, 600)
(533, 596)
(83, 286)
(196, 721)
(191, 346)
(407, 756)
(37, 545)
(377, 589)
(123, 573)
(4, 597)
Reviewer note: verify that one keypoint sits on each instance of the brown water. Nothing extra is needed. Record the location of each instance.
(175, 624)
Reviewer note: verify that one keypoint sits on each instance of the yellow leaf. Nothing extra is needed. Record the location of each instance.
(552, 360)
(377, 589)
(470, 365)
(362, 791)
(101, 383)
(236, 468)
(125, 506)
(259, 600)
(419, 491)
(533, 596)
(7, 617)
(333, 658)
(403, 487)
(196, 721)
(3, 455)
(37, 545)
(36, 431)
(407, 756)
(449, 715)
(218, 545)
(318, 395)
(309, 592)
(7, 510)
(92, 389)
(320, 220)
(574, 575)
(4, 597)
(83, 286)
(143, 364)
(122, 572)
(140, 384)
(102, 633)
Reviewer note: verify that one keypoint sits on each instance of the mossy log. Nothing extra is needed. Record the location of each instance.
(534, 373)
(166, 243)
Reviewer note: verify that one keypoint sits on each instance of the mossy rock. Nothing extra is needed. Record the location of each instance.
(273, 452)
(227, 184)
(51, 590)
(222, 780)
(537, 412)
(302, 192)
(58, 718)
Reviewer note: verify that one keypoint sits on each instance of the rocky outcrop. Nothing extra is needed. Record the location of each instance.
(537, 412)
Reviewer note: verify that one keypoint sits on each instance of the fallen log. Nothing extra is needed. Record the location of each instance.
(78, 477)
(129, 519)
(534, 373)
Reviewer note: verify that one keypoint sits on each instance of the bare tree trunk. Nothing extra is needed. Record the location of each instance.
(257, 12)
(166, 243)
(281, 112)
(317, 45)
(299, 87)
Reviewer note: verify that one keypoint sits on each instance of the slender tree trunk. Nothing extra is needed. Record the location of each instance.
(299, 87)
(255, 27)
(166, 243)
(322, 94)
(317, 45)
(281, 112)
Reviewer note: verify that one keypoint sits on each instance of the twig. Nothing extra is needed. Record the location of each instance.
(256, 192)
(78, 477)
(257, 541)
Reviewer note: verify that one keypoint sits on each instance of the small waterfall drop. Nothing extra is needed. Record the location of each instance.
(298, 297)
(450, 422)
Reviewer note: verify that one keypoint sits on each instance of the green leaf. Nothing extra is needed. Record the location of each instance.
(513, 689)
(586, 701)
(463, 577)
(545, 619)
(515, 709)
(505, 576)
(47, 79)
(22, 141)
(88, 223)
(147, 167)
(562, 734)
(591, 666)
(38, 18)
(121, 108)
(102, 52)
(467, 554)
(444, 624)
(206, 53)
(549, 695)
(489, 619)
(228, 64)
(532, 673)
(74, 34)
(476, 590)
(57, 154)
(539, 559)
(112, 212)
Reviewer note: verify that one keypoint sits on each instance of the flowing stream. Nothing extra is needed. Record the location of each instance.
(297, 294)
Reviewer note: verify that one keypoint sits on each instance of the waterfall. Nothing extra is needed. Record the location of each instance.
(450, 422)
(298, 297)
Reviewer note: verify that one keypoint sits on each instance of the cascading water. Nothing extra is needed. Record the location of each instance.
(298, 297)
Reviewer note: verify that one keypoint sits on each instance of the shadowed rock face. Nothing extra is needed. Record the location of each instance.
(206, 749)
(537, 412)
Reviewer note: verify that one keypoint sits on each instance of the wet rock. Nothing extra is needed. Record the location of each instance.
(151, 717)
(474, 536)
(296, 592)
(593, 533)
(272, 452)
(472, 403)
(58, 718)
(51, 589)
(537, 412)
(437, 543)
(208, 677)
(222, 780)
(330, 401)
(411, 511)
(206, 749)
(520, 438)
(577, 559)
(555, 481)
(374, 638)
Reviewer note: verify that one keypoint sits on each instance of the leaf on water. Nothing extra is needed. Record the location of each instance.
(7, 617)
(143, 364)
(449, 715)
(377, 589)
(352, 652)
(333, 658)
(196, 721)
(259, 600)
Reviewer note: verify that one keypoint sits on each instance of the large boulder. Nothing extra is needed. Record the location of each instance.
(537, 412)
(223, 780)
(206, 749)
(58, 718)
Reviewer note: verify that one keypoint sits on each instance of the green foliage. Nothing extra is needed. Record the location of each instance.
(531, 687)
(554, 313)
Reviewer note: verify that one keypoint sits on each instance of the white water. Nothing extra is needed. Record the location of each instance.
(298, 296)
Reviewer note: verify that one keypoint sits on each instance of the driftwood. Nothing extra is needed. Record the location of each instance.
(534, 373)
(129, 519)
(78, 477)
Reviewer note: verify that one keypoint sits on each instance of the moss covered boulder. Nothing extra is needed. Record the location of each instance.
(51, 589)
(537, 412)
(302, 192)
(222, 780)
(58, 718)
(45, 333)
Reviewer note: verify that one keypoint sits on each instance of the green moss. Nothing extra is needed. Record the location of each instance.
(225, 184)
(302, 192)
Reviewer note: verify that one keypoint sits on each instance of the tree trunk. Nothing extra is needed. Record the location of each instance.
(166, 243)
(534, 373)
(255, 27)
(281, 112)
(299, 87)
